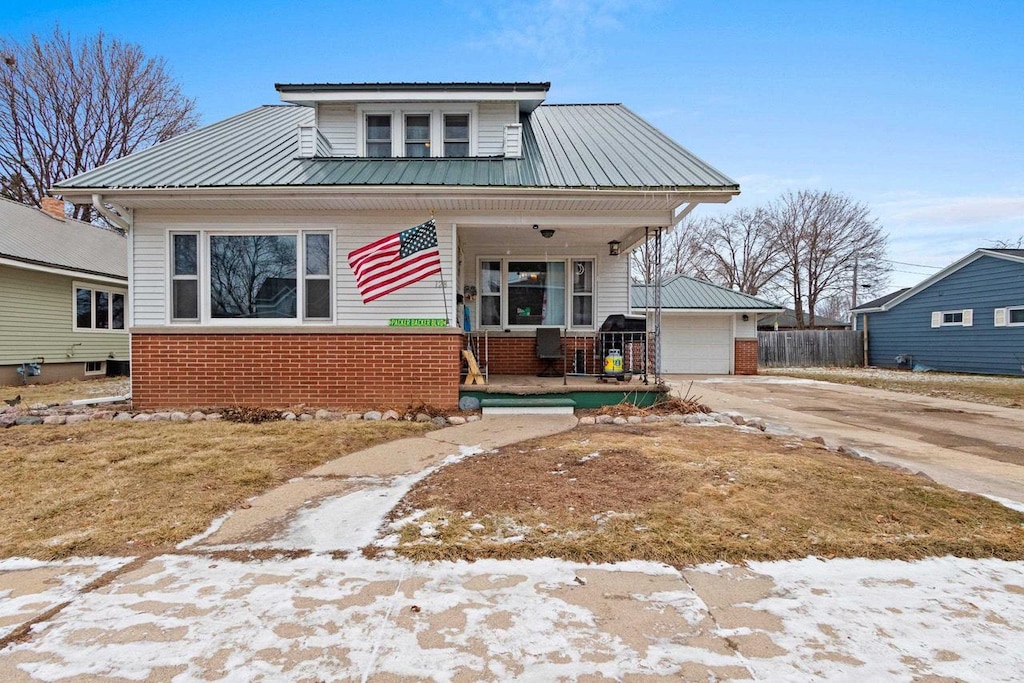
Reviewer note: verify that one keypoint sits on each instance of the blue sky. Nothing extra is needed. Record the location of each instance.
(914, 108)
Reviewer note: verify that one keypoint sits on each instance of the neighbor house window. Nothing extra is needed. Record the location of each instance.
(456, 135)
(1010, 316)
(417, 135)
(378, 135)
(964, 318)
(535, 293)
(280, 276)
(98, 309)
(95, 367)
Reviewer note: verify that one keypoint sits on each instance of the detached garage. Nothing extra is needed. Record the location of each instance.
(705, 329)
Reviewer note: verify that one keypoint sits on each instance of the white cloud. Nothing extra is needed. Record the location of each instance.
(955, 211)
(559, 34)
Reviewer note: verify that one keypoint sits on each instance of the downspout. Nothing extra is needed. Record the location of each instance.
(120, 217)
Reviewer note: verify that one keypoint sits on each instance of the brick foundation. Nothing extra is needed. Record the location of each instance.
(517, 355)
(745, 355)
(278, 370)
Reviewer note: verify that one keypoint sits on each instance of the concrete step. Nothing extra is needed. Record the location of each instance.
(528, 405)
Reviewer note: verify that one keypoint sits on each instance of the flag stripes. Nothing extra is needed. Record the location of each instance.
(396, 261)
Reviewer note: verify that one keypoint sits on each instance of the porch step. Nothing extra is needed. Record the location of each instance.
(528, 405)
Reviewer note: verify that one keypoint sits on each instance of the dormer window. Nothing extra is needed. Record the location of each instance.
(417, 135)
(378, 135)
(456, 135)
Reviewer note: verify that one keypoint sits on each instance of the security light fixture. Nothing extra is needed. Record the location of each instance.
(547, 233)
(613, 248)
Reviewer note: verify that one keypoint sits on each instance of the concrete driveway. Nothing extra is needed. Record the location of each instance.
(969, 446)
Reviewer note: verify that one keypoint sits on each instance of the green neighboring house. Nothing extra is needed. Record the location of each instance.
(63, 296)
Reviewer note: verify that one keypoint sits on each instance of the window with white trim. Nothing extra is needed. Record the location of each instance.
(98, 308)
(417, 135)
(95, 367)
(416, 130)
(456, 135)
(535, 293)
(961, 318)
(378, 135)
(1011, 316)
(222, 276)
(185, 276)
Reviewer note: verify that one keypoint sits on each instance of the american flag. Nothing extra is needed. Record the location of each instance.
(395, 261)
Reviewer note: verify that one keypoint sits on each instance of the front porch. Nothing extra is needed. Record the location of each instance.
(584, 392)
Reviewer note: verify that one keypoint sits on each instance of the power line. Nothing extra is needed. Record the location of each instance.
(915, 265)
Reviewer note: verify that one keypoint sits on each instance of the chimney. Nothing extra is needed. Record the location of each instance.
(53, 207)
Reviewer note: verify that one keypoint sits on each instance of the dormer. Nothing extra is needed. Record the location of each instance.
(413, 120)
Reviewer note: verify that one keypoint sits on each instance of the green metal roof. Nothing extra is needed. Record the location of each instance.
(478, 86)
(32, 236)
(681, 292)
(565, 146)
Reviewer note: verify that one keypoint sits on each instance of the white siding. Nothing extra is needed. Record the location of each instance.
(149, 263)
(421, 300)
(337, 123)
(491, 120)
(522, 242)
(746, 329)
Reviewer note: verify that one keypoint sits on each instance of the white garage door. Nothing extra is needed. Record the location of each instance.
(696, 344)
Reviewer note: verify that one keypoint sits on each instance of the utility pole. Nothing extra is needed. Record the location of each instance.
(853, 300)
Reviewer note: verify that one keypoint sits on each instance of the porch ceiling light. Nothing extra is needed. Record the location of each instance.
(547, 233)
(613, 248)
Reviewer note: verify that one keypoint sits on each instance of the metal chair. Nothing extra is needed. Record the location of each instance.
(549, 350)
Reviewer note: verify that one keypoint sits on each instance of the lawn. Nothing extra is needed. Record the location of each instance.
(58, 392)
(103, 488)
(685, 495)
(998, 391)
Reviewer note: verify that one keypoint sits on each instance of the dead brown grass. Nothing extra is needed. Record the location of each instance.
(120, 489)
(58, 392)
(1007, 392)
(689, 495)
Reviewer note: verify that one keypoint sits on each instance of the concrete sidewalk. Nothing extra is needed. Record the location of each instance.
(279, 592)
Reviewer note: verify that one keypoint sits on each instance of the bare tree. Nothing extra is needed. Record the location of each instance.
(1009, 244)
(737, 250)
(824, 235)
(676, 254)
(67, 106)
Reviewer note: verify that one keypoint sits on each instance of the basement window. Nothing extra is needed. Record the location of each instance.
(95, 367)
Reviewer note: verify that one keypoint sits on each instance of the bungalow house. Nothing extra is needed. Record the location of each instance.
(334, 250)
(968, 317)
(63, 295)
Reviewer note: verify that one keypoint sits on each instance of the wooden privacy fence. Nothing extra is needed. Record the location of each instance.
(810, 348)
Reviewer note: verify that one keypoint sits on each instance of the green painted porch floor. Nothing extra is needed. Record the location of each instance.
(585, 392)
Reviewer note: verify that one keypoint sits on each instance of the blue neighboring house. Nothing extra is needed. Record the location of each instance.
(968, 317)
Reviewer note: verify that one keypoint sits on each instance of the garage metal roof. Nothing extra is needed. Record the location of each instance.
(565, 146)
(681, 292)
(29, 235)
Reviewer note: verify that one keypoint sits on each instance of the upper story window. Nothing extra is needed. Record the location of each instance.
(456, 135)
(98, 309)
(417, 135)
(378, 135)
(416, 131)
